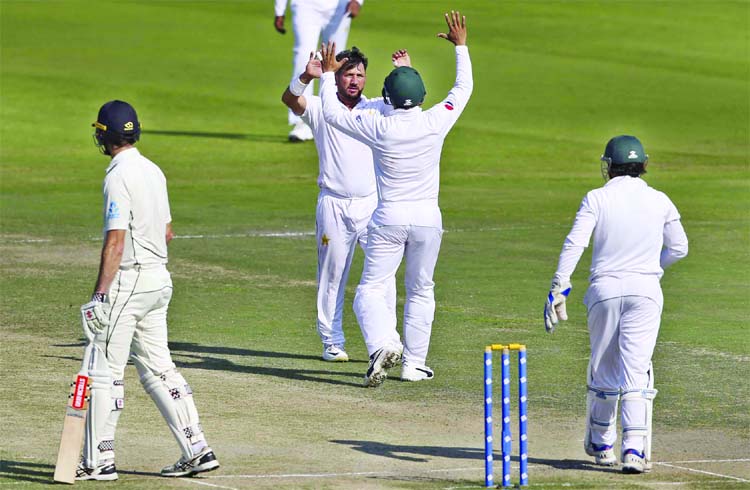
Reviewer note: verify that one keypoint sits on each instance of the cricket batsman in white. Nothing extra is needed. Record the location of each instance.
(127, 315)
(407, 222)
(637, 234)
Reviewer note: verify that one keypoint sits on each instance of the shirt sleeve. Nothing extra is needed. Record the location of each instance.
(279, 7)
(313, 115)
(360, 125)
(116, 204)
(451, 107)
(577, 240)
(675, 244)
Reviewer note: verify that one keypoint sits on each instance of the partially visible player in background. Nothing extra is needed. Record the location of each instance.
(407, 223)
(127, 315)
(637, 234)
(347, 195)
(311, 21)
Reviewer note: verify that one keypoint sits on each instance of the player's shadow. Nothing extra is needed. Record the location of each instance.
(421, 454)
(197, 359)
(25, 471)
(189, 355)
(262, 138)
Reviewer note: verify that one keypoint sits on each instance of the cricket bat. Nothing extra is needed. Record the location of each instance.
(74, 424)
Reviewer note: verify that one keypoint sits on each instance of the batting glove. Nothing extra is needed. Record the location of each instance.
(555, 309)
(94, 315)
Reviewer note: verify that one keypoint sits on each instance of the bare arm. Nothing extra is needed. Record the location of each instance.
(114, 244)
(169, 234)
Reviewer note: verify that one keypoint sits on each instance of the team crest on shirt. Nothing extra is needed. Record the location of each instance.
(324, 240)
(449, 105)
(359, 119)
(113, 211)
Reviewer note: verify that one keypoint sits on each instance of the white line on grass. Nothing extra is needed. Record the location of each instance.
(198, 481)
(704, 472)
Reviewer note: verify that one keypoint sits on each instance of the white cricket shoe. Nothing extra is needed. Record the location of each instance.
(335, 353)
(634, 462)
(416, 372)
(106, 471)
(203, 461)
(604, 454)
(300, 132)
(380, 362)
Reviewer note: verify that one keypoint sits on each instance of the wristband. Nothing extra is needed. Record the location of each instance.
(296, 87)
(100, 297)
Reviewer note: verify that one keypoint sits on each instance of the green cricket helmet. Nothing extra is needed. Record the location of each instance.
(403, 88)
(622, 150)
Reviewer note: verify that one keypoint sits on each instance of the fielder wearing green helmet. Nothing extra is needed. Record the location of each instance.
(624, 155)
(403, 88)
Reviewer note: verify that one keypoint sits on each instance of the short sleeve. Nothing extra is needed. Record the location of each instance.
(116, 204)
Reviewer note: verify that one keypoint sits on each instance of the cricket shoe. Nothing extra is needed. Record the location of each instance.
(335, 353)
(103, 472)
(416, 372)
(300, 132)
(634, 462)
(380, 362)
(203, 461)
(603, 454)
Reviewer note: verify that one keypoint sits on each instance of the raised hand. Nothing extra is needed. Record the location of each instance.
(456, 28)
(329, 62)
(313, 69)
(400, 58)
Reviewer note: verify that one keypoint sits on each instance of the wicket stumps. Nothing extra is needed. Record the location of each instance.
(522, 397)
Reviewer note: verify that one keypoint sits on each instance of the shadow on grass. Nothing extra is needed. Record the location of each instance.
(420, 454)
(189, 355)
(262, 138)
(26, 471)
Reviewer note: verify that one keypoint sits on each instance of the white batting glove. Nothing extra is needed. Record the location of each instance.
(94, 315)
(555, 309)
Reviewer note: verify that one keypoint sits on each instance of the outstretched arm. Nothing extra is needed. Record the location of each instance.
(459, 95)
(292, 96)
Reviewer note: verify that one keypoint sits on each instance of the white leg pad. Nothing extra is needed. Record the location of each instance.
(637, 408)
(601, 416)
(99, 442)
(173, 396)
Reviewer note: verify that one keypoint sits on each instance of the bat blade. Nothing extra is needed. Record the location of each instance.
(74, 426)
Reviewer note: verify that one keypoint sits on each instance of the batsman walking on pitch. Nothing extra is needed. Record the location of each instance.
(127, 315)
(407, 222)
(637, 234)
(347, 195)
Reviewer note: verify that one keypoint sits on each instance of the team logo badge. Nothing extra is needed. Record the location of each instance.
(632, 154)
(408, 103)
(128, 126)
(449, 105)
(113, 211)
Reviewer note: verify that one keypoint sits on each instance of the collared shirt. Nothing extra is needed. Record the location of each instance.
(406, 146)
(346, 168)
(136, 200)
(637, 233)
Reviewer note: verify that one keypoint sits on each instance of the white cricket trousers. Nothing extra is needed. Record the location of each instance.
(386, 246)
(139, 299)
(622, 335)
(313, 20)
(340, 224)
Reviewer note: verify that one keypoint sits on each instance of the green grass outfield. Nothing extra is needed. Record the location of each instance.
(553, 82)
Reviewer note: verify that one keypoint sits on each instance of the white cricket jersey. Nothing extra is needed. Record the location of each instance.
(135, 200)
(346, 168)
(406, 146)
(637, 233)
